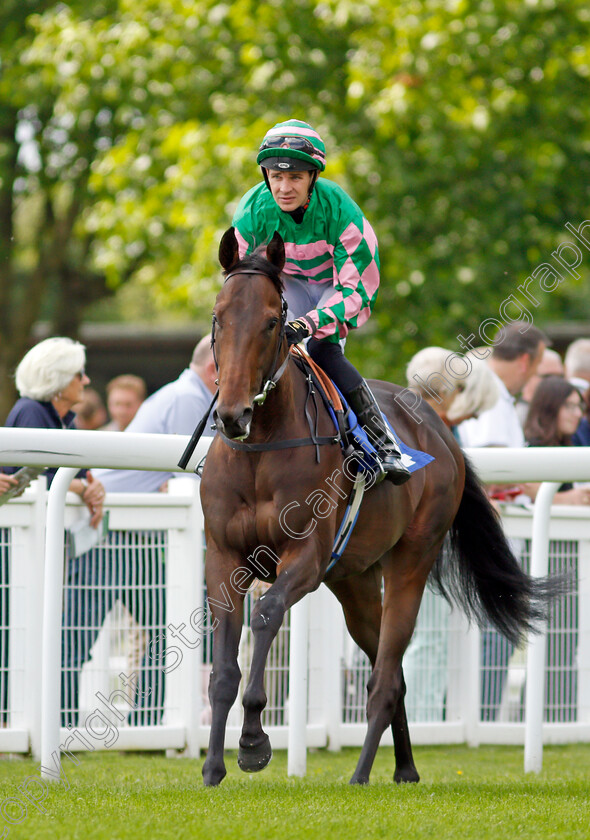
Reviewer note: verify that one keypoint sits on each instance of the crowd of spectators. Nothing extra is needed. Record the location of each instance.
(53, 393)
(517, 392)
(531, 398)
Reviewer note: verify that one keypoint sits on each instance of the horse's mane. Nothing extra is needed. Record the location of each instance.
(259, 264)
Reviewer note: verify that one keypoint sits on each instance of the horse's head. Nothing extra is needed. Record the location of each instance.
(248, 326)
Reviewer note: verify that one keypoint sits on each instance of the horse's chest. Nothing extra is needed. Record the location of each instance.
(251, 526)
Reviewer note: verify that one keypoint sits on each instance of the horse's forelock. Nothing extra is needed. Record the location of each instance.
(255, 262)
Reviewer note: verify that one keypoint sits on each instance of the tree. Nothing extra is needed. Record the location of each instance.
(475, 131)
(135, 115)
(45, 267)
(459, 127)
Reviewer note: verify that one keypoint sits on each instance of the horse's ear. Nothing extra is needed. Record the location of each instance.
(275, 251)
(228, 249)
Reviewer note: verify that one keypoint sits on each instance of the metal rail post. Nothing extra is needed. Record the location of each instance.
(537, 644)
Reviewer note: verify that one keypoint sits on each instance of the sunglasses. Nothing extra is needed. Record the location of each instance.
(299, 144)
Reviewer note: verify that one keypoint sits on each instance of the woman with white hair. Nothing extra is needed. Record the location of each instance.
(457, 387)
(51, 380)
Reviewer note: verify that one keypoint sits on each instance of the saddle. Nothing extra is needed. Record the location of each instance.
(353, 437)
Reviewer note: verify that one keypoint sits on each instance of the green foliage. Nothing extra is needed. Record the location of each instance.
(461, 127)
(476, 124)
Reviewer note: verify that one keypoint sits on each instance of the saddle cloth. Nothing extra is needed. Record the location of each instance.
(352, 433)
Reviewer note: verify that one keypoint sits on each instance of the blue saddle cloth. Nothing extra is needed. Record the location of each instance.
(367, 465)
(414, 459)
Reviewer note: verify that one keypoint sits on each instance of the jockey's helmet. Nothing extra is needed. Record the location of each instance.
(290, 146)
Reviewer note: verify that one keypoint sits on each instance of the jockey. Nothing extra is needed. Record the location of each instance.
(331, 273)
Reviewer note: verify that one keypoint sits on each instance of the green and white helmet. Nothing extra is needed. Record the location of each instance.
(292, 145)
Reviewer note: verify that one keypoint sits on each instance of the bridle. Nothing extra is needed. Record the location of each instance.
(270, 383)
(277, 372)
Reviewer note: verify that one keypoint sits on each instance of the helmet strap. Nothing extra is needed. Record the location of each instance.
(314, 177)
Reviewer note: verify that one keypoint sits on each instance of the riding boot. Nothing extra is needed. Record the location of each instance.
(369, 416)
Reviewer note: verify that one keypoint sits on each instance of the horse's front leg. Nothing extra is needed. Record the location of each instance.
(225, 677)
(290, 586)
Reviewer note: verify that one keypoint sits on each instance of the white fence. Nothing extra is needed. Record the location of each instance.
(337, 672)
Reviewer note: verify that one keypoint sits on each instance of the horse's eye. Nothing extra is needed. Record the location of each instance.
(272, 324)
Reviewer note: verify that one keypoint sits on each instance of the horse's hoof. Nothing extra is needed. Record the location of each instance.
(359, 780)
(213, 775)
(255, 758)
(408, 774)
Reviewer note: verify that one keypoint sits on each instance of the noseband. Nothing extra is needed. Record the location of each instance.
(276, 374)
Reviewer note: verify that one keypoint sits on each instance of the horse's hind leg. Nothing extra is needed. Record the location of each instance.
(405, 576)
(360, 598)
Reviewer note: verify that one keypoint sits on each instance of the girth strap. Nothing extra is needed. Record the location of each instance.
(279, 444)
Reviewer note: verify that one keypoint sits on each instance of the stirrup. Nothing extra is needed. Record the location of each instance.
(394, 468)
(365, 406)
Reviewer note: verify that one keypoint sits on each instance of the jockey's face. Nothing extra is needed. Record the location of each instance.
(289, 189)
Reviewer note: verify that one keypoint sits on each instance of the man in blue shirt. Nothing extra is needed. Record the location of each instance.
(173, 410)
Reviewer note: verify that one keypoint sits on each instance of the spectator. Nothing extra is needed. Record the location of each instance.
(514, 359)
(577, 364)
(51, 380)
(581, 436)
(174, 410)
(134, 573)
(90, 411)
(454, 399)
(553, 418)
(125, 394)
(550, 365)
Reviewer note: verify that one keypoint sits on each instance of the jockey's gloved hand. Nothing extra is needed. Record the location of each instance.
(296, 331)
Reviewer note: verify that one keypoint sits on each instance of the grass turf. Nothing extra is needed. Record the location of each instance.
(470, 794)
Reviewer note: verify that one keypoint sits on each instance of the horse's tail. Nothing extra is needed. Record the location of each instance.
(478, 571)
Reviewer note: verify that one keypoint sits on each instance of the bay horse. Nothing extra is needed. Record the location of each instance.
(260, 479)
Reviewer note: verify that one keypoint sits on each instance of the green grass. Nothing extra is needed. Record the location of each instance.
(469, 794)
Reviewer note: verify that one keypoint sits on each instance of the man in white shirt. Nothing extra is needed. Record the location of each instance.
(513, 360)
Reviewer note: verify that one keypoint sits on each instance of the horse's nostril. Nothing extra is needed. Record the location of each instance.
(233, 424)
